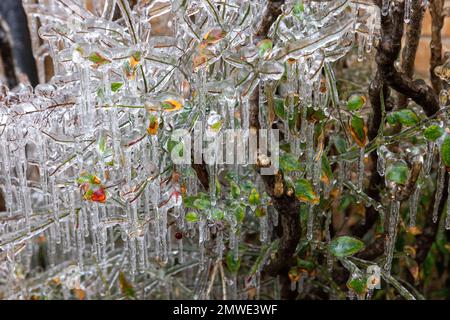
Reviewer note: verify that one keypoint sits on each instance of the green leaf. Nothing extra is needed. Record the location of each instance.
(98, 59)
(102, 144)
(345, 246)
(326, 168)
(254, 198)
(445, 150)
(247, 186)
(188, 201)
(305, 264)
(358, 131)
(232, 265)
(433, 132)
(235, 190)
(239, 213)
(115, 86)
(405, 117)
(358, 285)
(191, 216)
(279, 108)
(304, 191)
(315, 115)
(355, 102)
(260, 212)
(397, 172)
(202, 204)
(298, 10)
(265, 46)
(289, 162)
(217, 214)
(340, 144)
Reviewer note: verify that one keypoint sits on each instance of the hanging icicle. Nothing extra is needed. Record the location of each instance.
(413, 205)
(392, 233)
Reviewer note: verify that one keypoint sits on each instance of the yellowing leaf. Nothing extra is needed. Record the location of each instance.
(358, 130)
(170, 105)
(153, 126)
(125, 287)
(213, 36)
(98, 59)
(304, 191)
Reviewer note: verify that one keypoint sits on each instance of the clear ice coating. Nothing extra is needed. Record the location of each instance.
(86, 175)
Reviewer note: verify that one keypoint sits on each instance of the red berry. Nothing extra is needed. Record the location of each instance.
(178, 235)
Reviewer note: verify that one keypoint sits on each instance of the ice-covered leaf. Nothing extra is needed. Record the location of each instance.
(265, 46)
(397, 172)
(345, 246)
(304, 191)
(406, 117)
(289, 163)
(191, 216)
(279, 108)
(358, 131)
(356, 102)
(115, 86)
(202, 203)
(433, 132)
(254, 197)
(445, 151)
(97, 59)
(232, 264)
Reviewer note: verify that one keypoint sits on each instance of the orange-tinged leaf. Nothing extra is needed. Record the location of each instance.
(153, 126)
(99, 195)
(96, 180)
(200, 61)
(213, 36)
(170, 105)
(97, 59)
(305, 191)
(358, 131)
(126, 288)
(415, 230)
(80, 294)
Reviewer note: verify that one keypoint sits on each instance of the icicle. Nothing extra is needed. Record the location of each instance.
(310, 223)
(258, 284)
(361, 47)
(304, 124)
(408, 11)
(330, 258)
(317, 178)
(413, 207)
(141, 255)
(263, 228)
(55, 209)
(392, 234)
(429, 158)
(7, 174)
(163, 238)
(25, 191)
(310, 150)
(439, 190)
(132, 256)
(361, 170)
(385, 7)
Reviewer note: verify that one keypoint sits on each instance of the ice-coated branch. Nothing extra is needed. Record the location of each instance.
(392, 28)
